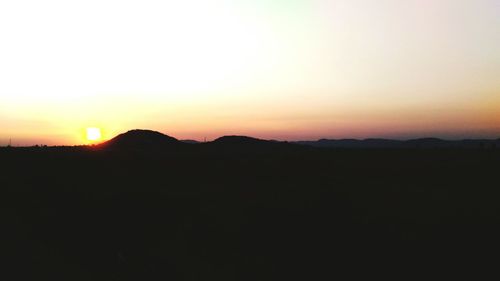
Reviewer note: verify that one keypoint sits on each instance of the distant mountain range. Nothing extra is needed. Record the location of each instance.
(147, 139)
(414, 143)
(141, 139)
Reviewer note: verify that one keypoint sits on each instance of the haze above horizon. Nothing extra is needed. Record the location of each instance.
(285, 70)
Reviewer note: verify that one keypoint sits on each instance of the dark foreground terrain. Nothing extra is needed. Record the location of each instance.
(248, 214)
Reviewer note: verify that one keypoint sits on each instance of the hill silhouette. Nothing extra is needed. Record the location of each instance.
(190, 141)
(141, 139)
(412, 143)
(249, 144)
(149, 140)
(239, 140)
(241, 208)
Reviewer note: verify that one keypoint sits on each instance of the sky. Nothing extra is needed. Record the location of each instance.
(273, 69)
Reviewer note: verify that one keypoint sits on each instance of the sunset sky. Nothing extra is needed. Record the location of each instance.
(274, 69)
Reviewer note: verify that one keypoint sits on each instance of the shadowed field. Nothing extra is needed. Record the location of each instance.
(234, 213)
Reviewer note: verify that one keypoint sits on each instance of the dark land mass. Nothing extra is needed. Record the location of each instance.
(414, 143)
(145, 206)
(141, 139)
(191, 141)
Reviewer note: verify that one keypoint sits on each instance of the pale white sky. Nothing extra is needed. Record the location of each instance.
(273, 69)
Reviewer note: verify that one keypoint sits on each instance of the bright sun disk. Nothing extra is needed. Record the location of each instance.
(93, 134)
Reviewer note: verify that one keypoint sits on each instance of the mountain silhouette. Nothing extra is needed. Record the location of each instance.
(141, 139)
(249, 144)
(190, 141)
(239, 208)
(152, 140)
(239, 140)
(413, 143)
(353, 143)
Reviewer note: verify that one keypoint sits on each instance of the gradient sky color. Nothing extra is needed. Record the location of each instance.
(277, 69)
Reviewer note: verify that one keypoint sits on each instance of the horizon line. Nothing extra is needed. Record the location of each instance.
(11, 141)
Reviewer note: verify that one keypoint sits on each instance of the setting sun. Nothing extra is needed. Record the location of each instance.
(284, 70)
(94, 134)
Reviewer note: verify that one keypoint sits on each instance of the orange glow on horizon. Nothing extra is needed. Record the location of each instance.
(285, 70)
(94, 134)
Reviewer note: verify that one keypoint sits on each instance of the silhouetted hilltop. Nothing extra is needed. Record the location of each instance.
(429, 142)
(152, 140)
(155, 141)
(353, 143)
(190, 141)
(141, 139)
(245, 143)
(239, 140)
(414, 143)
(241, 208)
